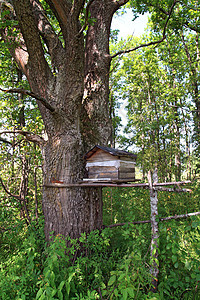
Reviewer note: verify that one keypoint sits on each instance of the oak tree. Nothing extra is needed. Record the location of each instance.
(62, 47)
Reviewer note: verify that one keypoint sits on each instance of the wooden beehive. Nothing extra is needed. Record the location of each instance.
(105, 164)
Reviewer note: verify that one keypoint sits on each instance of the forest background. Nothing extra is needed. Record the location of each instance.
(161, 86)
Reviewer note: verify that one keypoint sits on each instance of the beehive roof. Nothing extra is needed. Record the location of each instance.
(112, 151)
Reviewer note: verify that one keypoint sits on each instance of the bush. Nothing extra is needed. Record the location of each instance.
(108, 264)
(20, 272)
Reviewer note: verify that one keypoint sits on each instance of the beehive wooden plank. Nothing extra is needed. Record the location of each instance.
(103, 172)
(127, 176)
(110, 164)
(100, 169)
(126, 170)
(103, 175)
(100, 155)
(128, 159)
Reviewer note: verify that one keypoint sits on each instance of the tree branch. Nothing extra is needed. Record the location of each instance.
(29, 135)
(172, 189)
(8, 192)
(42, 100)
(28, 220)
(180, 216)
(149, 221)
(77, 7)
(7, 4)
(48, 34)
(27, 22)
(138, 47)
(16, 45)
(86, 16)
(117, 3)
(5, 141)
(120, 2)
(150, 43)
(159, 8)
(188, 25)
(61, 9)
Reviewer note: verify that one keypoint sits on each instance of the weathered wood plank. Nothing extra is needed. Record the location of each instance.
(126, 175)
(100, 155)
(104, 175)
(130, 164)
(127, 170)
(110, 184)
(172, 183)
(128, 159)
(100, 169)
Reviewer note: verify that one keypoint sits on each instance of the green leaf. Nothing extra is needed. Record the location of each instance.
(60, 295)
(198, 277)
(121, 277)
(188, 265)
(168, 246)
(154, 251)
(53, 292)
(39, 293)
(131, 292)
(176, 265)
(52, 279)
(61, 285)
(187, 279)
(42, 297)
(71, 276)
(112, 280)
(67, 285)
(116, 293)
(174, 258)
(124, 294)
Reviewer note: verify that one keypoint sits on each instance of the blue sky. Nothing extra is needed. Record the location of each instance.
(127, 27)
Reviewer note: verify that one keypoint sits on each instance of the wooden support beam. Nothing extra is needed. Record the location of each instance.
(111, 184)
(173, 190)
(95, 184)
(176, 217)
(171, 183)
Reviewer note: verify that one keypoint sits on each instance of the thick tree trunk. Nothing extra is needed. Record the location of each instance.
(97, 67)
(74, 81)
(68, 211)
(72, 211)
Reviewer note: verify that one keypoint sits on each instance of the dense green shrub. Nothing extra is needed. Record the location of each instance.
(21, 268)
(110, 264)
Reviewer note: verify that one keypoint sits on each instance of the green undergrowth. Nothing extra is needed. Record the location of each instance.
(110, 264)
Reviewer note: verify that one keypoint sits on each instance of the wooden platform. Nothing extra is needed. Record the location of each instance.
(110, 184)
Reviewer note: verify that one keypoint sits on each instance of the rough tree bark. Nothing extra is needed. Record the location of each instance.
(72, 74)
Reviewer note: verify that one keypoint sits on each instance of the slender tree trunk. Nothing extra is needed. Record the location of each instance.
(194, 84)
(21, 116)
(24, 188)
(153, 178)
(35, 192)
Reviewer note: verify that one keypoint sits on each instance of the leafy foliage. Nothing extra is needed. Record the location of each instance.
(111, 264)
(160, 86)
